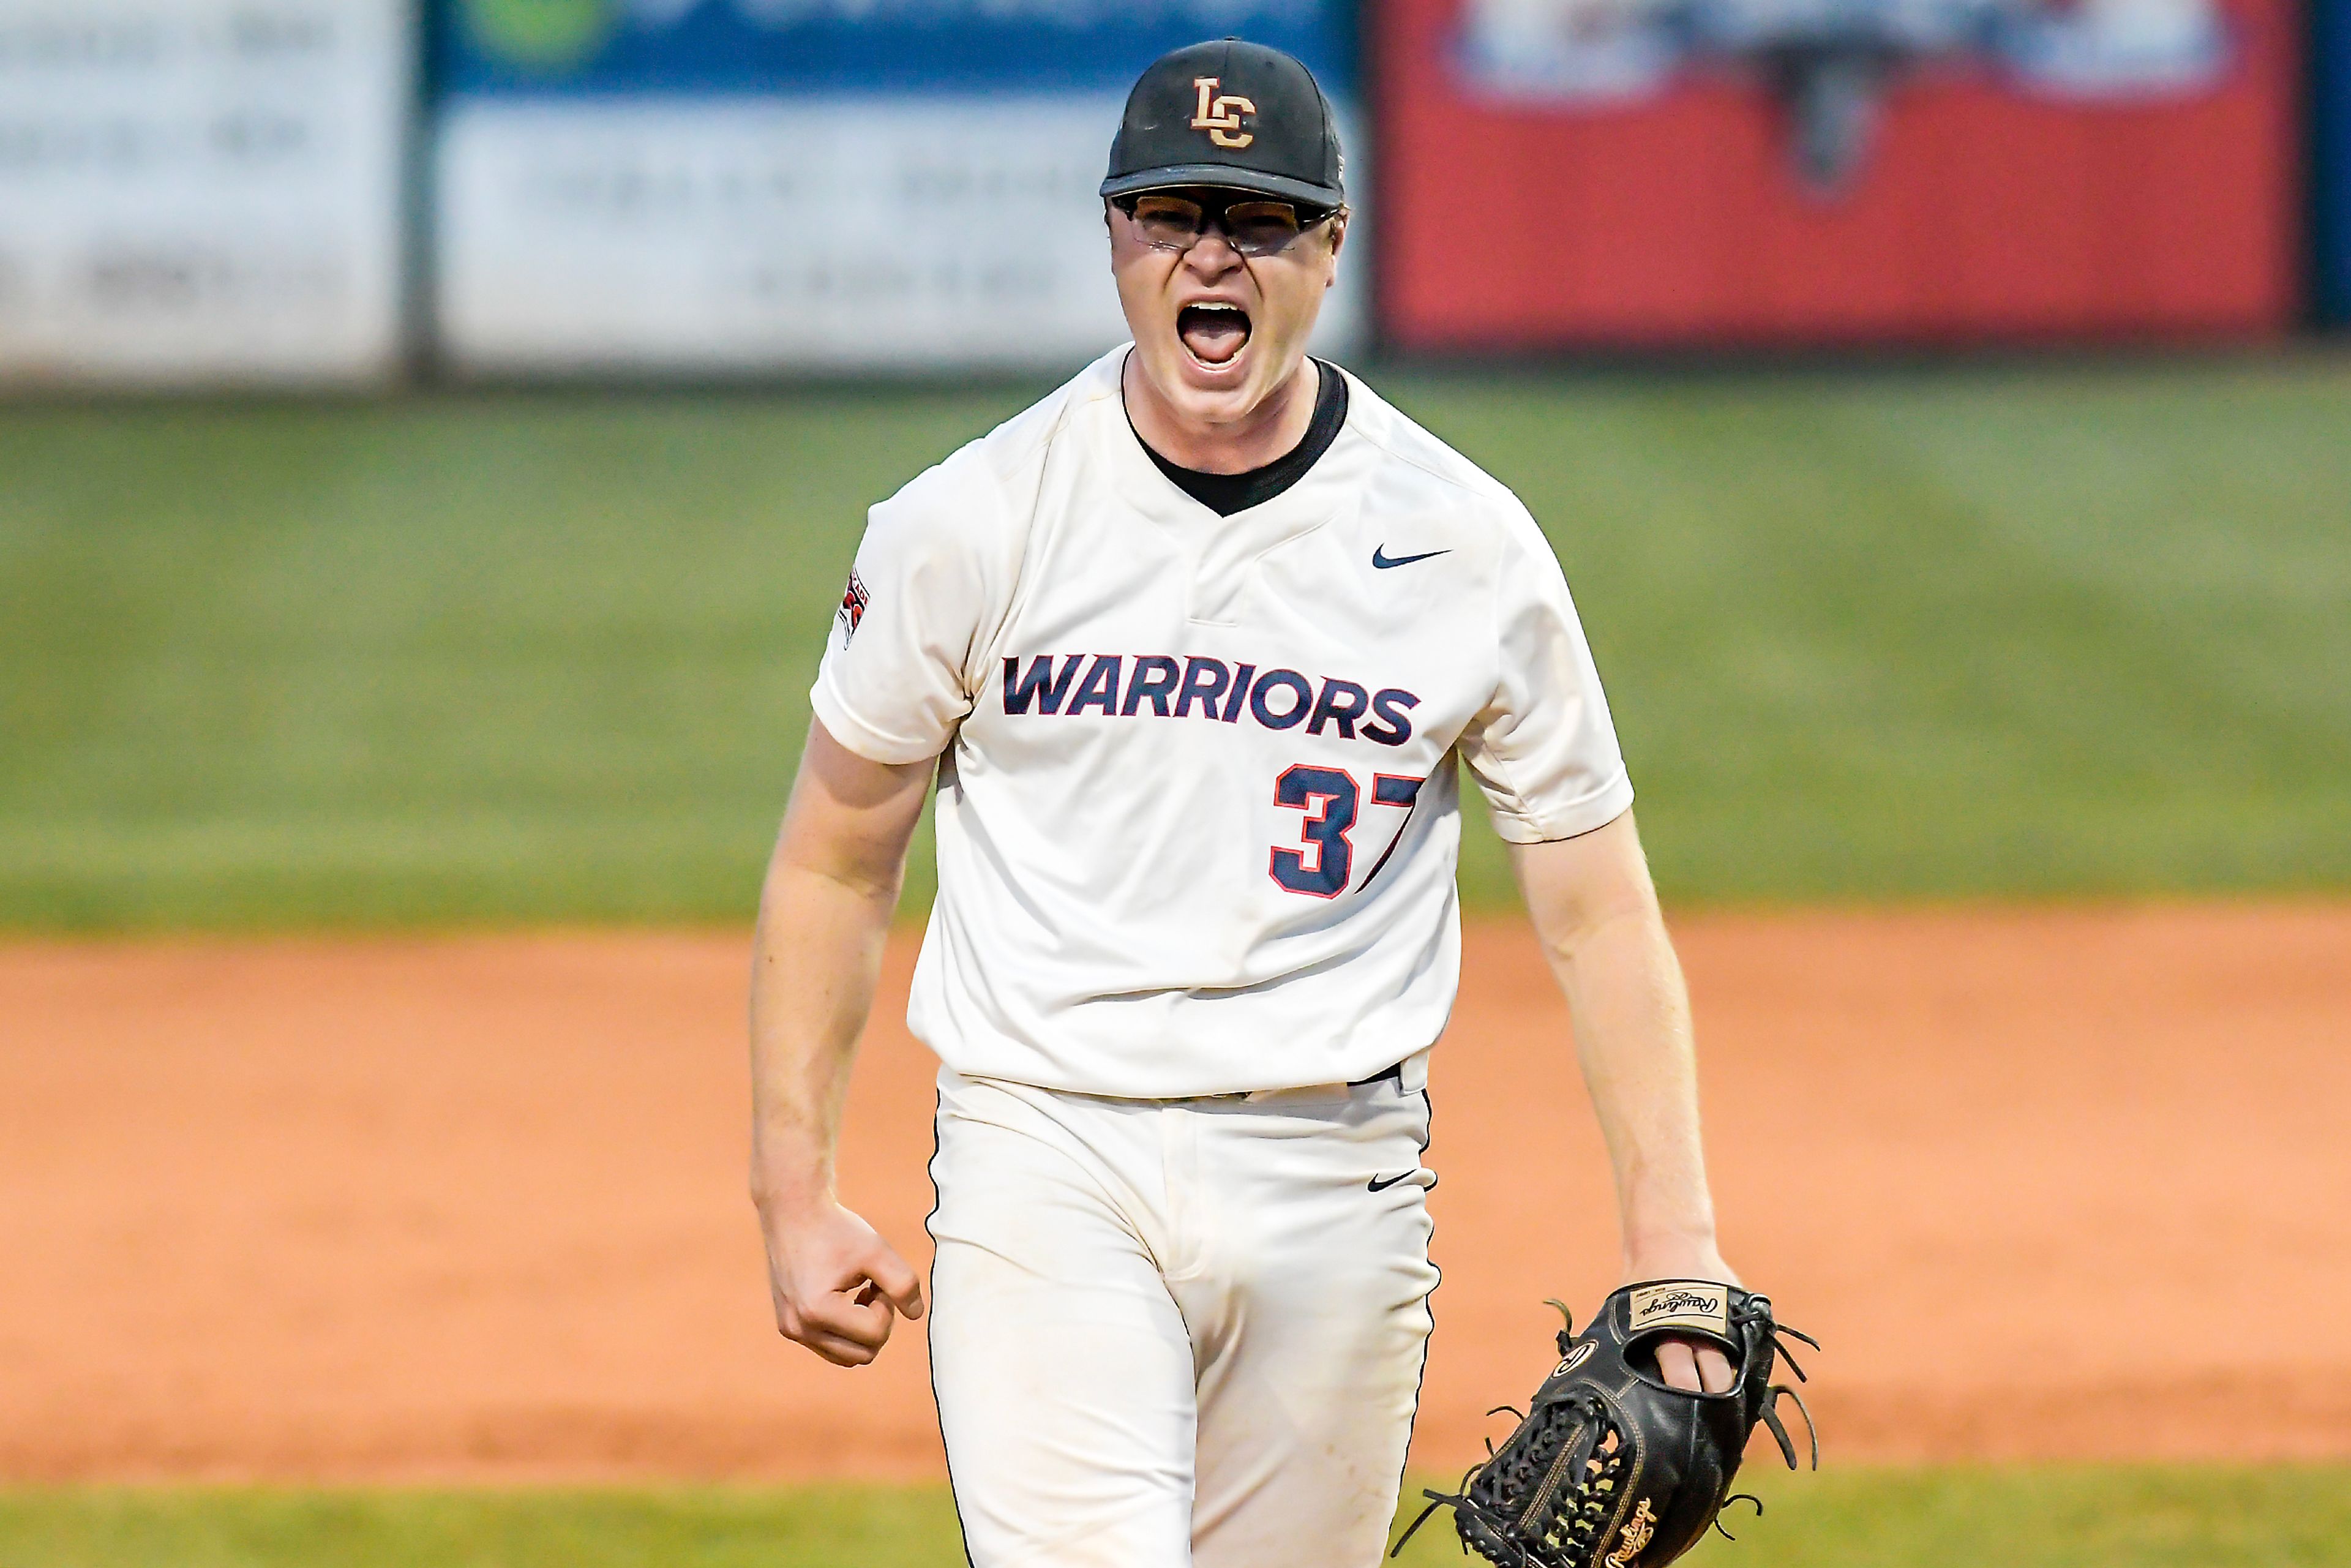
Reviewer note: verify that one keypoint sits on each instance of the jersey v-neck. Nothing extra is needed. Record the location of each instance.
(1225, 494)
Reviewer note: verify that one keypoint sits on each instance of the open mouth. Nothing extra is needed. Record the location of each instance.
(1214, 332)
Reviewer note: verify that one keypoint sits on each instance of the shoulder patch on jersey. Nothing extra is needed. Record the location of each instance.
(854, 601)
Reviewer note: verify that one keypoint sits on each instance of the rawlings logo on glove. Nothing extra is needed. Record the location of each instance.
(1633, 1536)
(1610, 1464)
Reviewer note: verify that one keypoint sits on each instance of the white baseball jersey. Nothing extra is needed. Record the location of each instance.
(1197, 815)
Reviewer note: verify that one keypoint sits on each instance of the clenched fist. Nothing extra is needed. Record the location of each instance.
(838, 1286)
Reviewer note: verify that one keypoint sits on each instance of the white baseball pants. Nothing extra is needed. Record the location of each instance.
(1178, 1333)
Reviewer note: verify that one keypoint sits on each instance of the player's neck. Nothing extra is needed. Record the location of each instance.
(1272, 430)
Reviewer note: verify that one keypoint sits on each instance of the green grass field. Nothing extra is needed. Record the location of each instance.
(2054, 1518)
(485, 659)
(467, 660)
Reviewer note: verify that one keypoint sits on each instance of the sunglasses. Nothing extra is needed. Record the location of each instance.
(1253, 225)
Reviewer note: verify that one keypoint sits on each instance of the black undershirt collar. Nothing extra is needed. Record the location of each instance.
(1225, 494)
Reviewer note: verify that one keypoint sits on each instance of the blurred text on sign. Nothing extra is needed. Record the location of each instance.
(201, 189)
(749, 185)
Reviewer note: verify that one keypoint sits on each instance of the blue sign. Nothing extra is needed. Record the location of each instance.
(749, 185)
(2331, 149)
(966, 48)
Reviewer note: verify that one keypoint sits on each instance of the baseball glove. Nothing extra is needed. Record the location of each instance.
(1610, 1467)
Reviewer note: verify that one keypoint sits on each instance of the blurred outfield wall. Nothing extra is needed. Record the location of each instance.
(1692, 172)
(737, 184)
(203, 190)
(303, 191)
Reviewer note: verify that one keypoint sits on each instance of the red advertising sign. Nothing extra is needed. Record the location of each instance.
(1631, 172)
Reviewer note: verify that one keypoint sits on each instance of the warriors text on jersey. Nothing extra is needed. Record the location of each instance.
(1198, 814)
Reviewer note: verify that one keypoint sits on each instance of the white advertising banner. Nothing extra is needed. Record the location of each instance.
(737, 186)
(201, 190)
(736, 234)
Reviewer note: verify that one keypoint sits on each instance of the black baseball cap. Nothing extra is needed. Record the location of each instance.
(1230, 114)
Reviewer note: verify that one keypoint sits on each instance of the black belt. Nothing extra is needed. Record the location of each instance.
(1393, 1076)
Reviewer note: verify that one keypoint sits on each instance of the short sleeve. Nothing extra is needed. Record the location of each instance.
(897, 677)
(1544, 749)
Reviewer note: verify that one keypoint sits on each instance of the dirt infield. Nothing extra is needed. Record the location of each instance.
(2052, 1184)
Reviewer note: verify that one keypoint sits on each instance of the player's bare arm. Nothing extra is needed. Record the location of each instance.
(824, 913)
(1595, 910)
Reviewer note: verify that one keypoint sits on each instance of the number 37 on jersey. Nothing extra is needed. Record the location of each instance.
(1332, 801)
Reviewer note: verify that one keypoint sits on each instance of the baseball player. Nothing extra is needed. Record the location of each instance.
(1191, 650)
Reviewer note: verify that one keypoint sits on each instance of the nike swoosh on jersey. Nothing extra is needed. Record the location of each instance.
(1379, 1185)
(1384, 561)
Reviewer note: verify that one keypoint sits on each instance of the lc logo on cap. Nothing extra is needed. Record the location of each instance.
(1220, 114)
(1226, 113)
